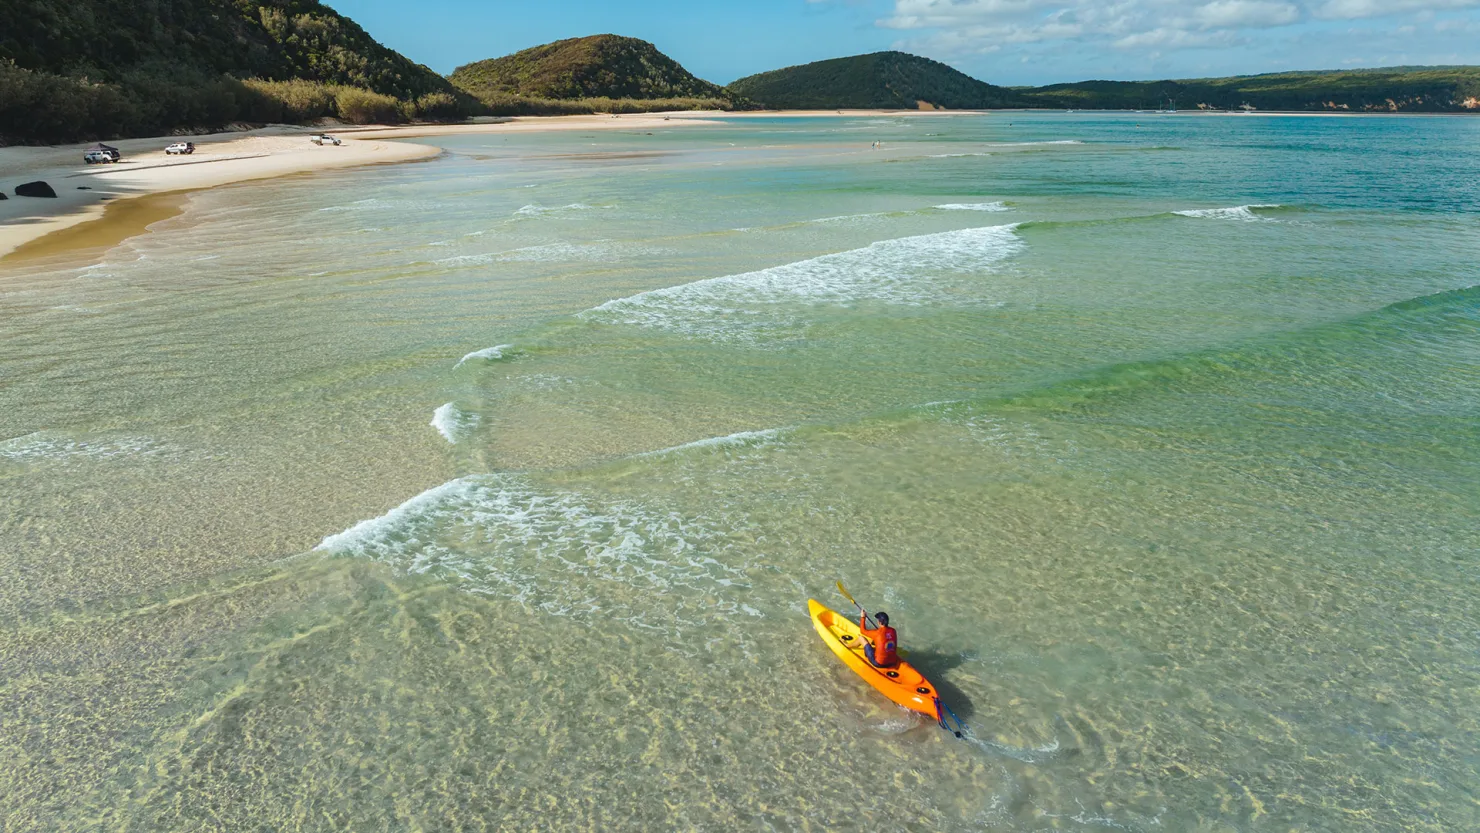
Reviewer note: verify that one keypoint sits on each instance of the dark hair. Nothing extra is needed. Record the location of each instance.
(882, 617)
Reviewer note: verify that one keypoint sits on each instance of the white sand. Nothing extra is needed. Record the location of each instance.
(219, 159)
(224, 158)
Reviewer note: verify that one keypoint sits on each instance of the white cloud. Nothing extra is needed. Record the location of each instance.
(1223, 14)
(1355, 9)
(958, 28)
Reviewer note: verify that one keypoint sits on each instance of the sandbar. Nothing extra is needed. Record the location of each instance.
(92, 209)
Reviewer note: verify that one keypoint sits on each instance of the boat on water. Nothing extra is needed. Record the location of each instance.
(901, 683)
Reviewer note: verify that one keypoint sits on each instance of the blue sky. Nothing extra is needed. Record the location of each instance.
(1001, 41)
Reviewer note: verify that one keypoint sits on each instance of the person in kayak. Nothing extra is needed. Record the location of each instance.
(881, 641)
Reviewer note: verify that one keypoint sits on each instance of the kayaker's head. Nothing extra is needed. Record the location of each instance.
(883, 618)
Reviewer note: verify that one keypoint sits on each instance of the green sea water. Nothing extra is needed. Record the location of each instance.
(487, 493)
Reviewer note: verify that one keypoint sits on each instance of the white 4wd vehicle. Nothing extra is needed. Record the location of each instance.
(181, 147)
(324, 139)
(95, 157)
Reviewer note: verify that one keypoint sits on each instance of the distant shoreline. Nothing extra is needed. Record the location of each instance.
(88, 216)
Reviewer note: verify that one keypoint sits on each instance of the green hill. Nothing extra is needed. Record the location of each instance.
(882, 80)
(595, 67)
(84, 68)
(1397, 89)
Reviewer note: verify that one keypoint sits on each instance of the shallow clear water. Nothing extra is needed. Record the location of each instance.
(488, 492)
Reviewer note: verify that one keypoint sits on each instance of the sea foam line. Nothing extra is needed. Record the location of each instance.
(490, 353)
(1237, 212)
(451, 422)
(46, 445)
(357, 538)
(540, 210)
(973, 206)
(562, 552)
(739, 439)
(904, 271)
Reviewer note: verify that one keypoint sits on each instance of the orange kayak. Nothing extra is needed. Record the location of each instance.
(902, 683)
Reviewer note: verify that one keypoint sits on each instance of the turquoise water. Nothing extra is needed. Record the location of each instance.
(488, 492)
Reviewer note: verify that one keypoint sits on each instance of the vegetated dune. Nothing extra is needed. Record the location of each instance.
(1395, 89)
(84, 69)
(599, 72)
(882, 80)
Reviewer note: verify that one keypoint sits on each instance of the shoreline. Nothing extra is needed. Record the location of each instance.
(99, 206)
(90, 197)
(86, 214)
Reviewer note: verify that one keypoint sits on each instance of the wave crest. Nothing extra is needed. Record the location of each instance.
(1237, 212)
(560, 552)
(902, 271)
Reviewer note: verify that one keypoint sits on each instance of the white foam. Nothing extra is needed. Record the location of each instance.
(365, 536)
(488, 354)
(739, 439)
(369, 202)
(540, 210)
(1028, 755)
(957, 155)
(451, 422)
(1237, 212)
(1036, 144)
(973, 206)
(596, 251)
(843, 218)
(53, 446)
(904, 271)
(561, 552)
(466, 260)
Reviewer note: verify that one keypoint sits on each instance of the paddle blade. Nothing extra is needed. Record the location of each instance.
(847, 595)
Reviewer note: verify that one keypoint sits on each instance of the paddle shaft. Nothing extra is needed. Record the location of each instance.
(849, 596)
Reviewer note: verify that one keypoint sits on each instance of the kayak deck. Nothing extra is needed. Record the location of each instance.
(902, 683)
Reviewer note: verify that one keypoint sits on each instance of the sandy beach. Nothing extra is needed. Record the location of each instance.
(100, 205)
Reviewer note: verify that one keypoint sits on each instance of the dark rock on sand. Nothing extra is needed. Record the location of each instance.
(35, 189)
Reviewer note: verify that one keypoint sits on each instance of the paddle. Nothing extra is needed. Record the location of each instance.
(849, 597)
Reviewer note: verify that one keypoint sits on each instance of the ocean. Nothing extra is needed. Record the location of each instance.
(488, 492)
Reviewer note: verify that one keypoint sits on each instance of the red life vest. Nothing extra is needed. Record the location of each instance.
(885, 640)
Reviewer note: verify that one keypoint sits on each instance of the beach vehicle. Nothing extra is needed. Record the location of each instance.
(181, 147)
(324, 139)
(901, 683)
(100, 153)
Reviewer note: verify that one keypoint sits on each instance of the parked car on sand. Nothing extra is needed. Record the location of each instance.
(100, 153)
(181, 147)
(324, 139)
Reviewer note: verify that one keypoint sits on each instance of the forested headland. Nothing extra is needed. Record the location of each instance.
(75, 70)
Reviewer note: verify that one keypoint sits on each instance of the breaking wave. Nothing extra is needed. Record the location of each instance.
(491, 354)
(451, 422)
(560, 552)
(1237, 212)
(47, 446)
(540, 210)
(740, 439)
(906, 271)
(973, 206)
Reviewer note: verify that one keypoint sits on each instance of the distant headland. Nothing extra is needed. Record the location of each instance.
(92, 69)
